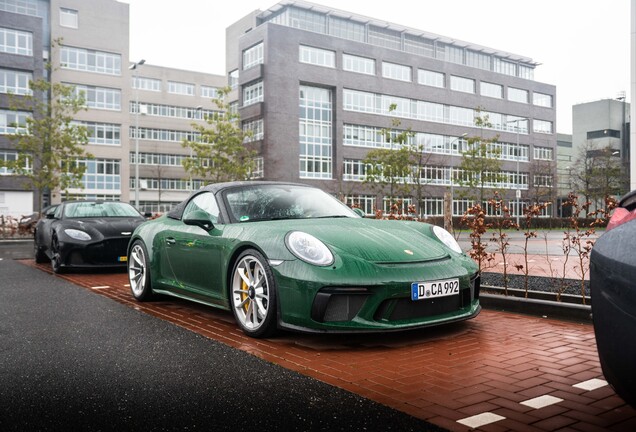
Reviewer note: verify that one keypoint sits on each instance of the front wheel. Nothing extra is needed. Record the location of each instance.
(40, 256)
(56, 256)
(139, 272)
(253, 295)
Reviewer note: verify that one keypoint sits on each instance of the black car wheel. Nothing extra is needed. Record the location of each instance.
(40, 256)
(253, 295)
(139, 272)
(56, 257)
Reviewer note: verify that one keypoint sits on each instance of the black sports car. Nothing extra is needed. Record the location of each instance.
(612, 270)
(81, 234)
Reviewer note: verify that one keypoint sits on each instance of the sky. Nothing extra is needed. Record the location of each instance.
(582, 45)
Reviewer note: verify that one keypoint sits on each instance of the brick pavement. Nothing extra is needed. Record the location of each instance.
(497, 372)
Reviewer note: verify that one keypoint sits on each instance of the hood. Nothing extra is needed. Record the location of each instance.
(378, 241)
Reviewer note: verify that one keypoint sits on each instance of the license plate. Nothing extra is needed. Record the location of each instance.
(441, 288)
(122, 259)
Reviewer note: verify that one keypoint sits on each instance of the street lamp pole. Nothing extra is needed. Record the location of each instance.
(518, 191)
(448, 220)
(135, 67)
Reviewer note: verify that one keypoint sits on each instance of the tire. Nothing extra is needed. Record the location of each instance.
(40, 256)
(253, 295)
(56, 259)
(139, 272)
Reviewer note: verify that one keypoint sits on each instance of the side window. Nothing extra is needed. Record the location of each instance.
(205, 202)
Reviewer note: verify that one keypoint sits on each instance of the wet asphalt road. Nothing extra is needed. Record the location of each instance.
(73, 360)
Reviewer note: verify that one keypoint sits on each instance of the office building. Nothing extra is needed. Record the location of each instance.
(317, 84)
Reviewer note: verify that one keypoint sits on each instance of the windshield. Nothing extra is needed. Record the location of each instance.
(99, 210)
(272, 202)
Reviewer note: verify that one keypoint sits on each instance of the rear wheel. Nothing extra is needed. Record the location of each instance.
(253, 295)
(40, 256)
(139, 272)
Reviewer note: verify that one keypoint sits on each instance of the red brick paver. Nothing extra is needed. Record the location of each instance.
(486, 365)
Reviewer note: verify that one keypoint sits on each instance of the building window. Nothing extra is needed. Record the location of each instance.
(543, 153)
(16, 42)
(25, 7)
(315, 132)
(258, 172)
(180, 88)
(209, 92)
(253, 56)
(15, 82)
(604, 133)
(544, 180)
(354, 170)
(419, 45)
(430, 78)
(253, 93)
(317, 56)
(431, 207)
(166, 135)
(385, 37)
(358, 64)
(233, 79)
(517, 95)
(69, 18)
(396, 204)
(465, 85)
(169, 111)
(90, 61)
(256, 128)
(542, 126)
(12, 122)
(396, 71)
(102, 133)
(491, 90)
(149, 84)
(540, 99)
(526, 72)
(347, 29)
(100, 97)
(504, 67)
(366, 203)
(12, 156)
(102, 176)
(477, 60)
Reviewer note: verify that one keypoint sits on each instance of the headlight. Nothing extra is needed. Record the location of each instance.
(308, 248)
(446, 238)
(77, 234)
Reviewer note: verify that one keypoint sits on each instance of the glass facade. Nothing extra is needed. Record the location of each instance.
(315, 132)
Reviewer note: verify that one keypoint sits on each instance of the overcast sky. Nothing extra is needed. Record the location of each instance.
(582, 45)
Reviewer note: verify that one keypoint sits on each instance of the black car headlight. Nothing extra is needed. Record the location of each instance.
(308, 248)
(77, 234)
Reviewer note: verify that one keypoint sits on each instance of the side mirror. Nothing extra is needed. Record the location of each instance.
(199, 218)
(50, 215)
(359, 212)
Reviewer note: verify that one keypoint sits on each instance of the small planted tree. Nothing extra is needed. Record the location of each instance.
(502, 223)
(530, 213)
(49, 143)
(219, 152)
(475, 220)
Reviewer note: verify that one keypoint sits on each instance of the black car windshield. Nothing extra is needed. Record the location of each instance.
(99, 210)
(271, 202)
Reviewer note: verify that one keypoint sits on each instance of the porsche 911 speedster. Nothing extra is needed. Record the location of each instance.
(86, 234)
(292, 256)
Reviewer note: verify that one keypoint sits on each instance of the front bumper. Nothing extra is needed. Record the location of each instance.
(105, 253)
(373, 297)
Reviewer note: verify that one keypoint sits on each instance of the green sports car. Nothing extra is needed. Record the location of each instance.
(291, 256)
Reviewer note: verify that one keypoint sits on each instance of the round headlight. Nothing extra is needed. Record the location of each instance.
(77, 234)
(447, 238)
(308, 248)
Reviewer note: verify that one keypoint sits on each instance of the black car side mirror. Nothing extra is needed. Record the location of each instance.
(50, 215)
(199, 218)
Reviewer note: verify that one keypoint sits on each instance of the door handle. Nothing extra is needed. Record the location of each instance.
(171, 241)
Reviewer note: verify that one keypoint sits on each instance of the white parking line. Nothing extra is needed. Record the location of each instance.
(541, 401)
(480, 420)
(592, 384)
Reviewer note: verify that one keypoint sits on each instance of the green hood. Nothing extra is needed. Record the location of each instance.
(377, 241)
